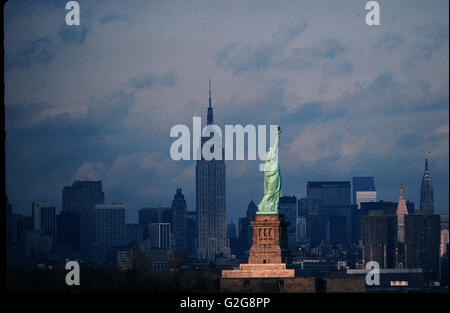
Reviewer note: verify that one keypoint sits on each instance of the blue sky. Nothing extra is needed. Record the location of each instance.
(97, 101)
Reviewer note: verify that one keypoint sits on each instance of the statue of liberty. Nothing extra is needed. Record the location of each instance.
(272, 181)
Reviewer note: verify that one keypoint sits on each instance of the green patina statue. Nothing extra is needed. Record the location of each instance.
(272, 181)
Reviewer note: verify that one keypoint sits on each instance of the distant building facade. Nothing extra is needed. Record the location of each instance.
(363, 190)
(110, 229)
(81, 198)
(179, 210)
(379, 239)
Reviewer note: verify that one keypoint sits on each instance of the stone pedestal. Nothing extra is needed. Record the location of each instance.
(270, 240)
(270, 251)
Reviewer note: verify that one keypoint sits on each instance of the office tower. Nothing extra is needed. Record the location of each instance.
(210, 202)
(110, 230)
(330, 193)
(308, 206)
(426, 190)
(244, 230)
(252, 208)
(422, 242)
(44, 219)
(288, 207)
(43, 216)
(401, 212)
(191, 233)
(150, 215)
(379, 238)
(363, 190)
(68, 231)
(444, 242)
(231, 230)
(135, 234)
(309, 209)
(301, 228)
(179, 220)
(159, 236)
(336, 212)
(80, 198)
(444, 234)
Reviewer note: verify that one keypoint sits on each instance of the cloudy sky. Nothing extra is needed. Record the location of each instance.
(97, 101)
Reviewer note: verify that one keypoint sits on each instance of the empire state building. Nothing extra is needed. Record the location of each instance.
(211, 203)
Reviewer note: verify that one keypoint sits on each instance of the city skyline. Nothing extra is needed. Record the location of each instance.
(97, 102)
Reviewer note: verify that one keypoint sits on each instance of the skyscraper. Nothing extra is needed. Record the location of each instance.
(159, 236)
(401, 212)
(150, 215)
(363, 190)
(110, 229)
(231, 231)
(43, 217)
(422, 242)
(210, 202)
(288, 206)
(179, 220)
(80, 198)
(68, 231)
(379, 237)
(336, 211)
(426, 190)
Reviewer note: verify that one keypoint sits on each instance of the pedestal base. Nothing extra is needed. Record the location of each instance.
(273, 270)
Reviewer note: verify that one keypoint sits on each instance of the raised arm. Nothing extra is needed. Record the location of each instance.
(275, 144)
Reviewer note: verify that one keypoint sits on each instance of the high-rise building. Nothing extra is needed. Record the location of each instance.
(148, 215)
(379, 238)
(135, 234)
(444, 242)
(422, 242)
(68, 231)
(252, 208)
(309, 208)
(288, 206)
(211, 202)
(401, 212)
(231, 230)
(330, 193)
(444, 234)
(426, 190)
(81, 198)
(110, 229)
(191, 233)
(179, 210)
(160, 236)
(43, 216)
(335, 217)
(44, 219)
(301, 228)
(363, 190)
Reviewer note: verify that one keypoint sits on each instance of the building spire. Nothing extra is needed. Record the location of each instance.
(210, 116)
(401, 212)
(426, 190)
